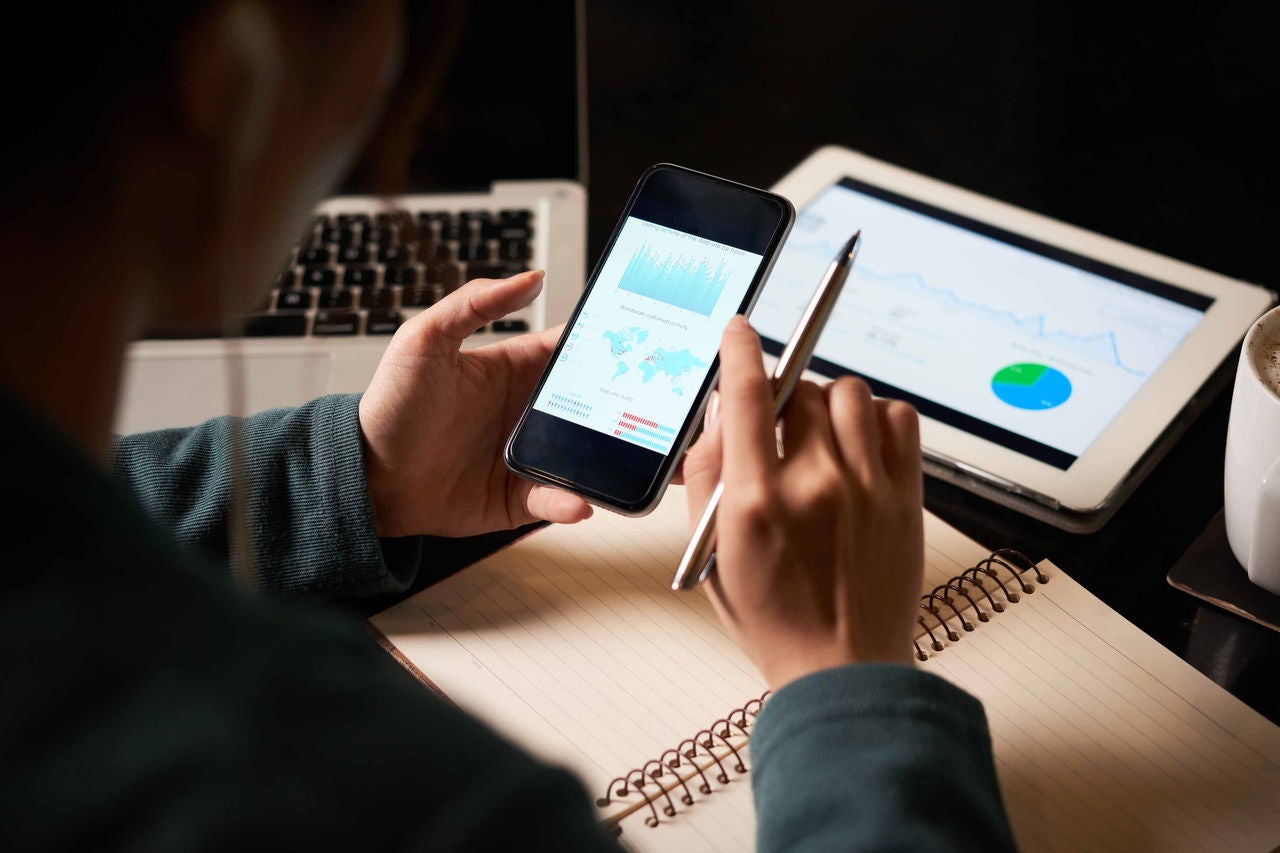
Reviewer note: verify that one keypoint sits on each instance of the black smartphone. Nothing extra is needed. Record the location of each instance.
(628, 381)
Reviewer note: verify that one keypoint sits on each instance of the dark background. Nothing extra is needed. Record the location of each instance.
(1144, 128)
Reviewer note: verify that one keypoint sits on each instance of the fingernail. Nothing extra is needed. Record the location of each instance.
(739, 323)
(713, 411)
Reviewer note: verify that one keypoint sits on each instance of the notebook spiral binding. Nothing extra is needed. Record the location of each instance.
(736, 722)
(1018, 566)
(739, 721)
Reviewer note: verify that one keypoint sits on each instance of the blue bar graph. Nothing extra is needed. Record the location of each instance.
(676, 280)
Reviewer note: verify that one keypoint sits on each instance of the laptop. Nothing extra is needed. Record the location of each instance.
(495, 184)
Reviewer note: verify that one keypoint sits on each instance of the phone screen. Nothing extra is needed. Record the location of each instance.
(644, 340)
(639, 353)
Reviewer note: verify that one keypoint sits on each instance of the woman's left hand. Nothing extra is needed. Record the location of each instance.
(435, 419)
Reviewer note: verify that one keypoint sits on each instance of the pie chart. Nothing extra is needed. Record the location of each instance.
(1031, 386)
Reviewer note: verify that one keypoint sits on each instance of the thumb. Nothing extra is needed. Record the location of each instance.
(456, 317)
(702, 462)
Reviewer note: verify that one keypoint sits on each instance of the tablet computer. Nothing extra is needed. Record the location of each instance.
(1051, 366)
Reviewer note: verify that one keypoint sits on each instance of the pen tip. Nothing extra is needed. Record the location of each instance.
(852, 246)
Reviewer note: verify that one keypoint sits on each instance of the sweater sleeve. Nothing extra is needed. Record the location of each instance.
(876, 756)
(309, 513)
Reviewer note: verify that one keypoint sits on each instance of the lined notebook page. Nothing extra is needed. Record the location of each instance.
(571, 643)
(1104, 740)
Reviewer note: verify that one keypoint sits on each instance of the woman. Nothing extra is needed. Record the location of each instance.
(161, 160)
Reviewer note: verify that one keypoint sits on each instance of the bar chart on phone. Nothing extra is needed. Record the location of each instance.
(644, 341)
(685, 281)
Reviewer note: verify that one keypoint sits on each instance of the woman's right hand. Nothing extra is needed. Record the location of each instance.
(820, 550)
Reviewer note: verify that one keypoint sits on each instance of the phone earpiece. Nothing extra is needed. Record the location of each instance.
(251, 37)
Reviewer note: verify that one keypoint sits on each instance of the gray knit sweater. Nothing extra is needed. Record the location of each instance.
(147, 702)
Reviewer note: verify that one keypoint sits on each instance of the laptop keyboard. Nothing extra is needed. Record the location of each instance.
(360, 274)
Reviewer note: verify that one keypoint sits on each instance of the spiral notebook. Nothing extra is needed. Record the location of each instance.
(570, 643)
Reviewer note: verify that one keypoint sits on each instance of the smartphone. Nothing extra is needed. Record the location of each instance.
(628, 381)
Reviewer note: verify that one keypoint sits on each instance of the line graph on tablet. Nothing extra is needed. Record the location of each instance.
(938, 310)
(1102, 345)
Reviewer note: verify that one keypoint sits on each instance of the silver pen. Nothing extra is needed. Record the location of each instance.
(699, 557)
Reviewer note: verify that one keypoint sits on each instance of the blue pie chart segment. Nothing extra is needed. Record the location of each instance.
(1031, 386)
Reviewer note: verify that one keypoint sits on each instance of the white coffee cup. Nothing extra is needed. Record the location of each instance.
(1252, 478)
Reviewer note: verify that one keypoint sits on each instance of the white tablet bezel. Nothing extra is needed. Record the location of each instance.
(1102, 468)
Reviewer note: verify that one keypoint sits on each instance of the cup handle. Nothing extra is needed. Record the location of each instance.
(1264, 550)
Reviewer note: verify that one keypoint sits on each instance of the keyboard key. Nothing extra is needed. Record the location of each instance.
(320, 222)
(382, 322)
(341, 236)
(394, 255)
(400, 275)
(380, 236)
(336, 323)
(473, 224)
(319, 277)
(393, 219)
(275, 325)
(515, 225)
(347, 220)
(446, 274)
(336, 298)
(432, 252)
(426, 251)
(315, 257)
(286, 278)
(515, 250)
(473, 252)
(377, 297)
(514, 232)
(359, 276)
(293, 300)
(353, 255)
(401, 225)
(451, 230)
(419, 297)
(510, 326)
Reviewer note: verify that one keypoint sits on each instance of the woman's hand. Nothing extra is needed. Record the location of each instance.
(435, 419)
(820, 550)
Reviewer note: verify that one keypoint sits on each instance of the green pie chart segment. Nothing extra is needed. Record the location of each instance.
(1031, 386)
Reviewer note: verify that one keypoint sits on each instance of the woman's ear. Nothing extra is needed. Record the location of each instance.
(228, 76)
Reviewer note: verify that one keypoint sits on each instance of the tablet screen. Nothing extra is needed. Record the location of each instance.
(1025, 344)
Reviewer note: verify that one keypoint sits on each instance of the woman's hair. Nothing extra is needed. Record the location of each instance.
(71, 71)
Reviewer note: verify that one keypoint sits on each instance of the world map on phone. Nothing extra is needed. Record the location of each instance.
(643, 342)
